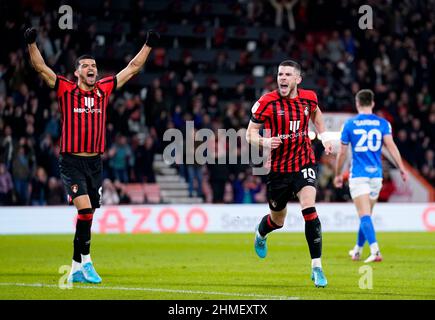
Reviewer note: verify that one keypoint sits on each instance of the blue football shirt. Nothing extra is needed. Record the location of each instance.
(365, 134)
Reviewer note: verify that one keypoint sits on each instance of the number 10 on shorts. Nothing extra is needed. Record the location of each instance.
(308, 172)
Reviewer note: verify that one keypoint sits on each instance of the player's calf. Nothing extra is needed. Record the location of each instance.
(266, 226)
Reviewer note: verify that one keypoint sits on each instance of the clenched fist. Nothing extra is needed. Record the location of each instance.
(153, 38)
(272, 143)
(30, 35)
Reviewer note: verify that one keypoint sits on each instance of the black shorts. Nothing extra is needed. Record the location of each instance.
(284, 186)
(81, 176)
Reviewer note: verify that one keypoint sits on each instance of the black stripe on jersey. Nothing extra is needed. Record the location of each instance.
(101, 126)
(71, 107)
(92, 126)
(287, 141)
(290, 142)
(281, 131)
(262, 111)
(115, 83)
(79, 124)
(275, 133)
(97, 124)
(86, 116)
(100, 121)
(308, 150)
(56, 84)
(64, 123)
(301, 138)
(295, 154)
(309, 101)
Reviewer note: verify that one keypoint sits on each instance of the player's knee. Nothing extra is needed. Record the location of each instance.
(307, 203)
(307, 197)
(85, 214)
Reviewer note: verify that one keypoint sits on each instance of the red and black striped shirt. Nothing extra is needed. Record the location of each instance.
(83, 114)
(288, 119)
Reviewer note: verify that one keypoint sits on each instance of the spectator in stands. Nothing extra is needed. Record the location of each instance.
(255, 11)
(120, 159)
(388, 187)
(218, 174)
(52, 126)
(428, 167)
(349, 43)
(212, 107)
(326, 178)
(39, 188)
(335, 48)
(280, 6)
(110, 195)
(6, 186)
(124, 198)
(245, 188)
(221, 65)
(193, 168)
(22, 165)
(7, 147)
(55, 194)
(144, 157)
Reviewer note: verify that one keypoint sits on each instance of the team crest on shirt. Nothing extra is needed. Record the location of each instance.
(74, 188)
(89, 102)
(294, 125)
(306, 111)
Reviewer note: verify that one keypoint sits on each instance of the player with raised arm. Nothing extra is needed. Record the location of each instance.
(366, 133)
(83, 107)
(286, 112)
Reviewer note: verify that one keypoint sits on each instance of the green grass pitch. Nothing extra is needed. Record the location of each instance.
(217, 266)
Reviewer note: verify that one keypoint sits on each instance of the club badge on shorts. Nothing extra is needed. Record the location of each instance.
(273, 203)
(74, 188)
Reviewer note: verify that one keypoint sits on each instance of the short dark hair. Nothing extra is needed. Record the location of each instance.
(85, 56)
(365, 97)
(291, 63)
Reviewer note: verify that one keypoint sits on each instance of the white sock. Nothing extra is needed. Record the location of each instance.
(357, 248)
(316, 263)
(374, 248)
(86, 258)
(76, 266)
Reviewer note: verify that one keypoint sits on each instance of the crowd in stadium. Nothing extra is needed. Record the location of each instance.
(396, 59)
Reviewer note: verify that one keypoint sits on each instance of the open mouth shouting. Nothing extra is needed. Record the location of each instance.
(91, 76)
(284, 88)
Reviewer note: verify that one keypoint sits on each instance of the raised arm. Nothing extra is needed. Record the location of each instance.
(136, 64)
(318, 122)
(36, 59)
(394, 151)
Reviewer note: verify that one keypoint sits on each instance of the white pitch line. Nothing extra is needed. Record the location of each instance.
(260, 296)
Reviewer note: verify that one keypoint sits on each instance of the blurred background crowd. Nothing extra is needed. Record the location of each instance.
(216, 60)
